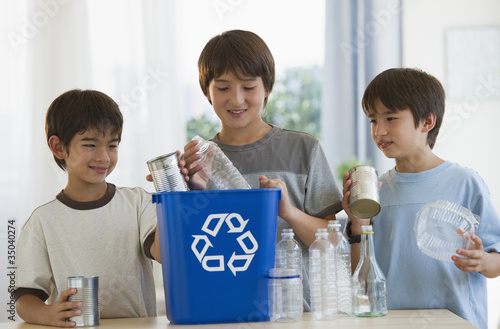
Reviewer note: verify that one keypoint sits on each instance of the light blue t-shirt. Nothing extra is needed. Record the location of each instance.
(415, 280)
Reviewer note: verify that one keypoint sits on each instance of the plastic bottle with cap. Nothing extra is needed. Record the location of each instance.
(342, 267)
(289, 252)
(223, 174)
(368, 282)
(322, 277)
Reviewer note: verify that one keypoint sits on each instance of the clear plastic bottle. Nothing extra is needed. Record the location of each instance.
(288, 252)
(368, 282)
(322, 277)
(342, 267)
(285, 295)
(223, 174)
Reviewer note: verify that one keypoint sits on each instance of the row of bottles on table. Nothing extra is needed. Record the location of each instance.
(333, 291)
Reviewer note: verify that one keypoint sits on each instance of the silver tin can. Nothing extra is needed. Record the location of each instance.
(166, 173)
(87, 291)
(365, 198)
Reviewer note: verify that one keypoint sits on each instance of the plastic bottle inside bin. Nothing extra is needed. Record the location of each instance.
(342, 267)
(322, 277)
(223, 174)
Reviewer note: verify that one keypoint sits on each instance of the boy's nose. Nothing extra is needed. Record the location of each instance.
(237, 97)
(102, 155)
(379, 130)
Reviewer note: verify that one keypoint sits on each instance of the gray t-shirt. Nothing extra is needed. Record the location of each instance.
(298, 160)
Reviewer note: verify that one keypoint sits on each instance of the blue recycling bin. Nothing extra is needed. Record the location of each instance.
(217, 248)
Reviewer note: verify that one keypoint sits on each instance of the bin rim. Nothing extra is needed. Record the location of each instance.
(157, 196)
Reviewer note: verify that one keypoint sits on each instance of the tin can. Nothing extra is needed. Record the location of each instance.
(166, 173)
(365, 198)
(87, 289)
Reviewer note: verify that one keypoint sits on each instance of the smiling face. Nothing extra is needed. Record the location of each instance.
(395, 134)
(90, 158)
(237, 101)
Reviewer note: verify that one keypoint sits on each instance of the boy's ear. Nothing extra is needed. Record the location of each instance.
(57, 147)
(429, 123)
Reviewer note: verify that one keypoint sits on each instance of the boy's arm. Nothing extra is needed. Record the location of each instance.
(155, 247)
(356, 223)
(32, 309)
(302, 224)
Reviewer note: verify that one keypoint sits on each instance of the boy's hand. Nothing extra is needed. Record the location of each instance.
(197, 173)
(62, 309)
(356, 222)
(475, 260)
(285, 208)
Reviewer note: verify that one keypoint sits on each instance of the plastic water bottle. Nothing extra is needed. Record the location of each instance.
(322, 277)
(223, 174)
(342, 267)
(285, 295)
(368, 282)
(288, 252)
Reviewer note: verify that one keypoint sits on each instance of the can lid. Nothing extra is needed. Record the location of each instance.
(163, 161)
(365, 208)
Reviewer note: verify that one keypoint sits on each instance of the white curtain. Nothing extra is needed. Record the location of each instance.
(53, 46)
(362, 38)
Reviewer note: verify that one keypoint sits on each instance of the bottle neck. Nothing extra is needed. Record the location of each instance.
(367, 249)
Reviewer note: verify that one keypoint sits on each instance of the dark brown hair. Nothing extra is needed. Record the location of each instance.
(77, 111)
(406, 88)
(237, 52)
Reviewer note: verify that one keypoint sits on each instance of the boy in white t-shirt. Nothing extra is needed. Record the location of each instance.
(92, 227)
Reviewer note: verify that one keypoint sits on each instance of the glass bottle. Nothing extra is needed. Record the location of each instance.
(368, 282)
(342, 267)
(322, 277)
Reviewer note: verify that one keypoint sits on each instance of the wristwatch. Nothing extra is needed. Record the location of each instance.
(353, 238)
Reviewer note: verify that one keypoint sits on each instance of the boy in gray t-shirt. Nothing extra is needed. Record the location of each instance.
(237, 75)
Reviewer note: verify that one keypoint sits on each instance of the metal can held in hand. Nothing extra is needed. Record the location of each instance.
(166, 173)
(87, 291)
(365, 198)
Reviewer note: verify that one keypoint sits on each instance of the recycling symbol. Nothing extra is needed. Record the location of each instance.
(236, 225)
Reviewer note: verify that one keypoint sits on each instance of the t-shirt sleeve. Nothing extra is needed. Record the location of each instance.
(489, 220)
(34, 273)
(322, 195)
(147, 222)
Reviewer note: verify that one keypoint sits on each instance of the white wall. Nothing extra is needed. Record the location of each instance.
(471, 127)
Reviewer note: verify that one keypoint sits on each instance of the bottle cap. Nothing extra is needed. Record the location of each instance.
(333, 224)
(366, 229)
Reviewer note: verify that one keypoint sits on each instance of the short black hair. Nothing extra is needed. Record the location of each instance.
(77, 111)
(408, 88)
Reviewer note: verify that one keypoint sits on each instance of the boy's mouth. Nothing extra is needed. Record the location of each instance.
(384, 145)
(99, 170)
(236, 111)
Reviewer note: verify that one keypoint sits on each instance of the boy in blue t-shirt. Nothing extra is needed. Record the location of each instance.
(406, 108)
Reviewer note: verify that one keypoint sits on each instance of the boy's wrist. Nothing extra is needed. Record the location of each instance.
(353, 231)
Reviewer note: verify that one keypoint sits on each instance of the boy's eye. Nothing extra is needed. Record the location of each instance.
(249, 88)
(391, 118)
(222, 88)
(113, 146)
(89, 145)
